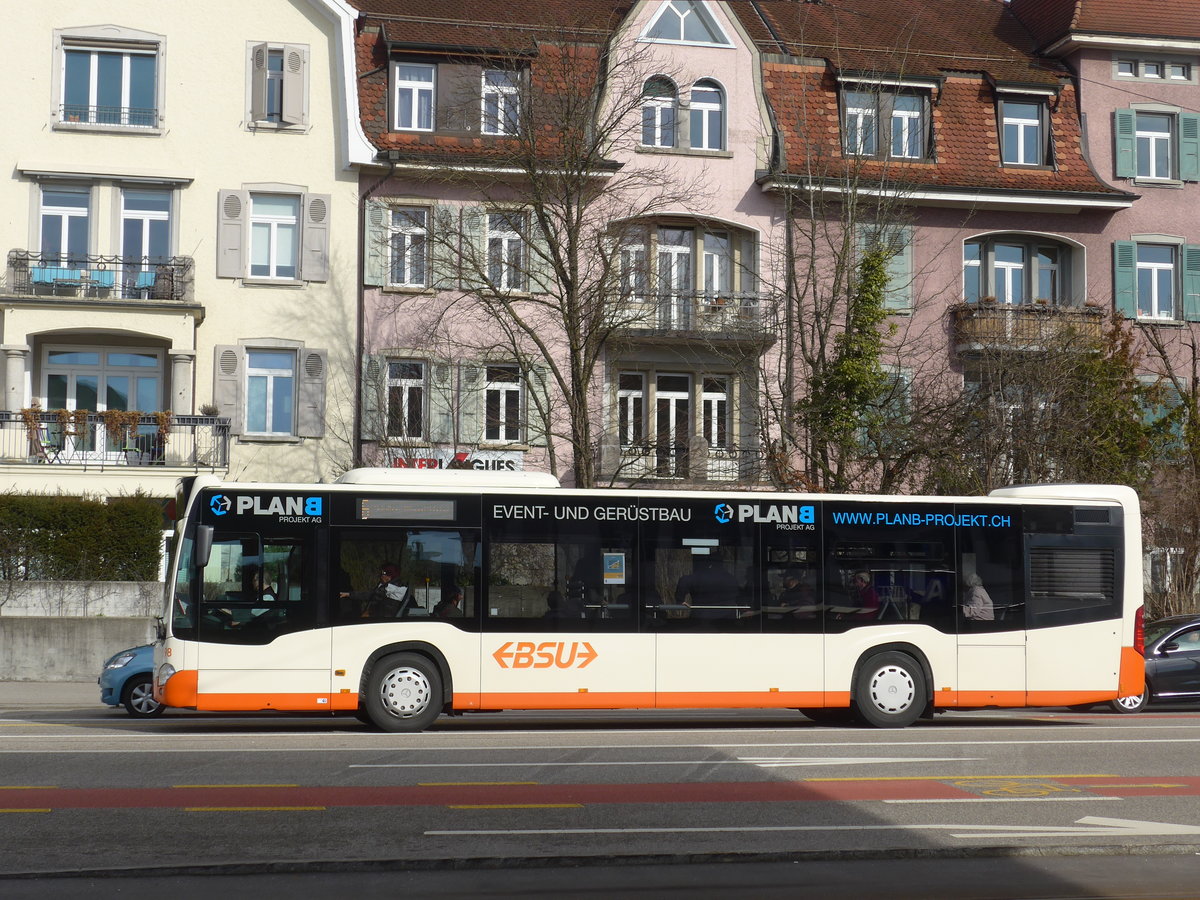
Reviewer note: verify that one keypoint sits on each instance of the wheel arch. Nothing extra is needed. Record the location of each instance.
(895, 647)
(430, 652)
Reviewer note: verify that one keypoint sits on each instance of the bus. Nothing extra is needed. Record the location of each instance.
(399, 595)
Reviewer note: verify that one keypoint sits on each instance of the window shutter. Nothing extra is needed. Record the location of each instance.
(1191, 282)
(1125, 278)
(233, 209)
(1125, 132)
(441, 248)
(538, 421)
(470, 404)
(375, 243)
(1189, 147)
(473, 257)
(259, 55)
(314, 258)
(314, 366)
(441, 403)
(229, 366)
(540, 276)
(374, 397)
(899, 268)
(295, 99)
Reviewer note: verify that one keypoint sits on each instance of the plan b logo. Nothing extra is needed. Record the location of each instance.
(724, 513)
(220, 505)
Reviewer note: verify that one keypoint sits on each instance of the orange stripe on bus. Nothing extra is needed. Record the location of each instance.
(1016, 699)
(651, 700)
(286, 702)
(1133, 673)
(180, 689)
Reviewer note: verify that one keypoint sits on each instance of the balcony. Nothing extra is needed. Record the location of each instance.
(714, 315)
(191, 443)
(695, 465)
(99, 277)
(124, 116)
(1029, 326)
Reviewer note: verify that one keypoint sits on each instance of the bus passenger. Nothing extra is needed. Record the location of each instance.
(863, 595)
(977, 604)
(382, 601)
(450, 606)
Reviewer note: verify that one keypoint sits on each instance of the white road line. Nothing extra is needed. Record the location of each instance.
(1002, 799)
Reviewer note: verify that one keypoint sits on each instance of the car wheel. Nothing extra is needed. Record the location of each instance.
(889, 691)
(138, 698)
(1131, 704)
(404, 693)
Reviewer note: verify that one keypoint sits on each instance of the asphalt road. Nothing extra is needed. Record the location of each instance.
(1073, 804)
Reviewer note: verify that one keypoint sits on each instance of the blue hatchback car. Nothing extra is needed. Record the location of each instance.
(127, 680)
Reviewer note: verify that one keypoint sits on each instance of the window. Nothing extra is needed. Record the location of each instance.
(274, 229)
(718, 263)
(686, 22)
(1014, 269)
(409, 246)
(502, 402)
(145, 239)
(635, 275)
(414, 97)
(707, 116)
(270, 391)
(1157, 277)
(862, 113)
(276, 233)
(506, 251)
(659, 105)
(64, 226)
(278, 84)
(406, 399)
(115, 85)
(1158, 144)
(1155, 281)
(87, 378)
(715, 401)
(631, 408)
(897, 241)
(1021, 132)
(1160, 69)
(501, 101)
(1179, 71)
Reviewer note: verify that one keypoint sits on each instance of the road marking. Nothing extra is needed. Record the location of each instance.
(253, 809)
(1133, 785)
(22, 810)
(475, 783)
(778, 762)
(815, 761)
(28, 787)
(515, 806)
(206, 786)
(1001, 799)
(959, 777)
(1089, 826)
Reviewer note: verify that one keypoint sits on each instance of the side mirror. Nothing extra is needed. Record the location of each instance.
(204, 542)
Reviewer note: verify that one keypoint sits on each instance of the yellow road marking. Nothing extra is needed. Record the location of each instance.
(517, 806)
(253, 809)
(471, 783)
(22, 810)
(1134, 785)
(962, 777)
(27, 787)
(189, 786)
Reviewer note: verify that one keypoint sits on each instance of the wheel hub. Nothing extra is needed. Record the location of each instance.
(892, 689)
(405, 692)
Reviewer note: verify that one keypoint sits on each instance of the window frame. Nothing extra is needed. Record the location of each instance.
(504, 275)
(126, 42)
(707, 111)
(870, 104)
(290, 83)
(698, 8)
(1031, 268)
(1154, 270)
(417, 89)
(1153, 140)
(506, 120)
(272, 376)
(407, 384)
(274, 223)
(65, 255)
(501, 428)
(654, 109)
(1041, 123)
(408, 233)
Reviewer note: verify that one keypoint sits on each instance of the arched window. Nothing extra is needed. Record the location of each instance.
(707, 116)
(1016, 268)
(659, 105)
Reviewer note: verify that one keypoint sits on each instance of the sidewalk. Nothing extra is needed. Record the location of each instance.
(48, 694)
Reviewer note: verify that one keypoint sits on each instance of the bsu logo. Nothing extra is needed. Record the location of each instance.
(559, 654)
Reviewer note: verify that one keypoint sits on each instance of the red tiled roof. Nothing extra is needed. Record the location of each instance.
(501, 24)
(1050, 20)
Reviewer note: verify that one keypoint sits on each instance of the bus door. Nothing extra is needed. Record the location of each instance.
(990, 607)
(258, 644)
(560, 621)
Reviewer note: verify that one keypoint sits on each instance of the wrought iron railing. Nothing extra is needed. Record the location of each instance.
(99, 277)
(1026, 325)
(200, 443)
(131, 116)
(700, 311)
(696, 463)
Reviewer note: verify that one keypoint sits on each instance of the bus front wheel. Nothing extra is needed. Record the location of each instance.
(889, 691)
(404, 693)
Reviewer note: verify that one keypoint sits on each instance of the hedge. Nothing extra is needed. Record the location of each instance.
(44, 538)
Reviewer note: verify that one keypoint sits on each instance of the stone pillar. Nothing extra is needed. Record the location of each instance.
(15, 358)
(183, 362)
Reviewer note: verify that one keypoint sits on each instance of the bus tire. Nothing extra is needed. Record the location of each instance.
(889, 690)
(404, 693)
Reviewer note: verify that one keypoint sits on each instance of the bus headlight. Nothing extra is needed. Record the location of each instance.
(165, 671)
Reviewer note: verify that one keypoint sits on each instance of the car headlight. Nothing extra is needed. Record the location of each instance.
(165, 671)
(121, 659)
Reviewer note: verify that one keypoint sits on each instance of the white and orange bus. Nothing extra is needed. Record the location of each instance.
(400, 595)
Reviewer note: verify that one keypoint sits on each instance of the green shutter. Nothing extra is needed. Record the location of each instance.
(537, 406)
(472, 249)
(374, 397)
(375, 243)
(1125, 132)
(1189, 147)
(441, 242)
(1125, 278)
(1191, 282)
(441, 403)
(470, 404)
(541, 265)
(899, 269)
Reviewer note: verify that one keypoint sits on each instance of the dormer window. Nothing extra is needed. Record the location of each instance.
(1023, 132)
(685, 22)
(890, 122)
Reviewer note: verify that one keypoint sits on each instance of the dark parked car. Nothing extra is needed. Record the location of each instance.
(1172, 664)
(126, 679)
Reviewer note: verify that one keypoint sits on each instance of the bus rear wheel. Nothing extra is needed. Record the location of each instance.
(404, 693)
(889, 691)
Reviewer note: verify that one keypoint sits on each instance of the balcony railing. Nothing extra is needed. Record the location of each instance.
(1027, 326)
(99, 277)
(129, 116)
(199, 443)
(693, 463)
(709, 313)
